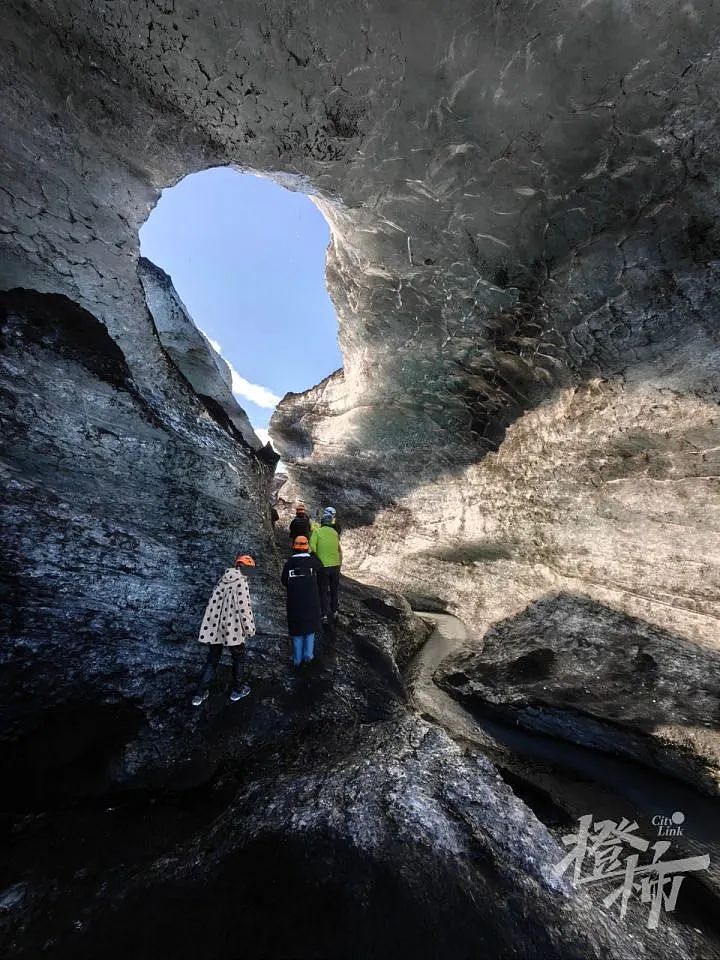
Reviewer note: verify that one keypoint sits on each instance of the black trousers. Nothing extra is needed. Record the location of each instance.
(329, 581)
(237, 651)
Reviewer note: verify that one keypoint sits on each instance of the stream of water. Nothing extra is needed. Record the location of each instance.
(639, 788)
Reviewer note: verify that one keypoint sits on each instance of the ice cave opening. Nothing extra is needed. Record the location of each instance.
(246, 259)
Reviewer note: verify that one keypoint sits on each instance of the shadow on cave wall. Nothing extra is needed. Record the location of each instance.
(580, 671)
(54, 322)
(532, 351)
(571, 652)
(115, 530)
(67, 756)
(302, 897)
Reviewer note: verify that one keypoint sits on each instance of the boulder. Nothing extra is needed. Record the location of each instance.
(576, 670)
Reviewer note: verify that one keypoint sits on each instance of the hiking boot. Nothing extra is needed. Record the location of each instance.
(240, 693)
(200, 698)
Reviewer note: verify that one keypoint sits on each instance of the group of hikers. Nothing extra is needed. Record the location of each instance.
(311, 577)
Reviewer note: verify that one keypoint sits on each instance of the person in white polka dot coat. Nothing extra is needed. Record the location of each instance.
(228, 622)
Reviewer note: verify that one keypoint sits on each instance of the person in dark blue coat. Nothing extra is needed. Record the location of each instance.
(300, 578)
(300, 525)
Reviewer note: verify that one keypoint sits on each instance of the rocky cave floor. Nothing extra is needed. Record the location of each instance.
(364, 813)
(525, 258)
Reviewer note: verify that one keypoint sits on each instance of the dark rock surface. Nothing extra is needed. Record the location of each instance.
(118, 521)
(523, 203)
(561, 781)
(571, 668)
(537, 412)
(322, 795)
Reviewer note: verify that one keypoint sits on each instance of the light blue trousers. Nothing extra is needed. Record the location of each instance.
(303, 648)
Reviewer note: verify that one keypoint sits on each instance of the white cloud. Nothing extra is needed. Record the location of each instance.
(241, 387)
(253, 391)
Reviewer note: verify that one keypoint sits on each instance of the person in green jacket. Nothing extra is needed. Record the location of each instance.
(325, 544)
(331, 513)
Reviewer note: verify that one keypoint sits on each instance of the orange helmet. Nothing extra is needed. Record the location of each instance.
(244, 561)
(300, 543)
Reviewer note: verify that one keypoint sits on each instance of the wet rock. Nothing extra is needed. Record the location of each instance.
(12, 897)
(536, 411)
(119, 519)
(327, 795)
(14, 902)
(561, 781)
(523, 205)
(608, 492)
(383, 834)
(571, 668)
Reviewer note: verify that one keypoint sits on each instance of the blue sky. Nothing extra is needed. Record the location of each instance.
(247, 258)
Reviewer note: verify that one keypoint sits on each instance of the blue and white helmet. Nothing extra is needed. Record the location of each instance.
(329, 513)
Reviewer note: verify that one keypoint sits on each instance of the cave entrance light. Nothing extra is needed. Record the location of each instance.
(247, 258)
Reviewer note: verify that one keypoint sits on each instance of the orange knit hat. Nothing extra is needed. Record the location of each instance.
(244, 561)
(300, 543)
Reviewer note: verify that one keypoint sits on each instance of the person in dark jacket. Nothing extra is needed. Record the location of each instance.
(300, 578)
(300, 524)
